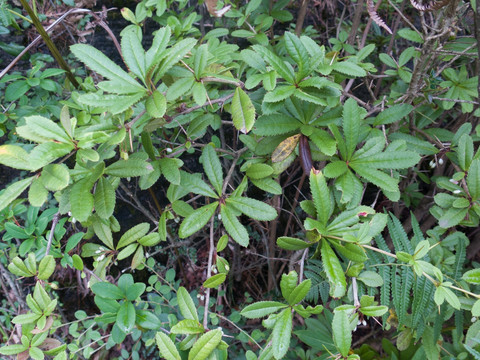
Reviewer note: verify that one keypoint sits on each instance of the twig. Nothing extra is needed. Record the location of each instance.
(232, 168)
(302, 264)
(209, 270)
(55, 219)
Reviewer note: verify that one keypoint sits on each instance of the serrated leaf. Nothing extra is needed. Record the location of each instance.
(377, 310)
(279, 93)
(253, 208)
(334, 271)
(320, 196)
(205, 345)
(215, 280)
(129, 168)
(377, 177)
(289, 243)
(276, 62)
(13, 191)
(196, 185)
(281, 333)
(473, 179)
(342, 335)
(101, 227)
(104, 198)
(187, 327)
(174, 54)
(298, 53)
(452, 217)
(370, 278)
(156, 105)
(115, 104)
(159, 44)
(351, 126)
(349, 68)
(299, 293)
(392, 114)
(285, 148)
(170, 169)
(269, 185)
(261, 309)
(133, 234)
(167, 347)
(213, 168)
(197, 220)
(234, 228)
(15, 157)
(186, 305)
(388, 160)
(275, 124)
(410, 35)
(243, 111)
(55, 177)
(37, 194)
(324, 141)
(81, 200)
(472, 276)
(133, 53)
(100, 63)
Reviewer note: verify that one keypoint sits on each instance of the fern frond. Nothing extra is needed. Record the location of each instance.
(382, 245)
(399, 236)
(459, 322)
(375, 17)
(405, 287)
(422, 298)
(460, 256)
(417, 232)
(430, 6)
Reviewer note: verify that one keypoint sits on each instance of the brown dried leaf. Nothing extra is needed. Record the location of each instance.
(375, 17)
(212, 8)
(285, 148)
(48, 325)
(49, 344)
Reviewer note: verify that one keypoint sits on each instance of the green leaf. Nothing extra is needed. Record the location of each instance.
(81, 200)
(16, 89)
(374, 310)
(342, 335)
(298, 53)
(452, 217)
(205, 345)
(180, 88)
(410, 35)
(299, 293)
(269, 185)
(134, 291)
(213, 168)
(196, 185)
(129, 168)
(46, 128)
(175, 53)
(186, 305)
(334, 271)
(151, 239)
(393, 114)
(288, 284)
(46, 267)
(243, 111)
(335, 169)
(15, 157)
(349, 68)
(197, 220)
(104, 198)
(253, 208)
(324, 141)
(259, 171)
(451, 298)
(320, 196)
(281, 334)
(13, 349)
(215, 280)
(55, 177)
(234, 228)
(107, 290)
(101, 64)
(133, 53)
(147, 320)
(289, 243)
(115, 104)
(377, 177)
(102, 229)
(200, 60)
(199, 93)
(37, 194)
(276, 63)
(13, 191)
(133, 234)
(279, 93)
(370, 278)
(261, 309)
(170, 169)
(472, 276)
(126, 317)
(351, 126)
(187, 327)
(167, 347)
(275, 124)
(473, 179)
(388, 160)
(156, 105)
(156, 52)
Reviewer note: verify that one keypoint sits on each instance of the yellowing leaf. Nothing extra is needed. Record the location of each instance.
(285, 148)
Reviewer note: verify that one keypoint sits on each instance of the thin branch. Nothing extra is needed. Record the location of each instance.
(55, 219)
(209, 272)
